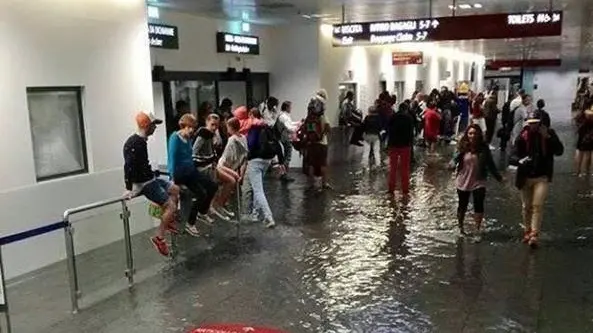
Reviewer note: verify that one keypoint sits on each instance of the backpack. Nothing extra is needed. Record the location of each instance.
(268, 143)
(311, 131)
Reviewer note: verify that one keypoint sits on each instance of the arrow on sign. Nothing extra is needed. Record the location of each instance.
(555, 17)
(435, 24)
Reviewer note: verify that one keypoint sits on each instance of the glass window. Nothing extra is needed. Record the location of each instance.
(57, 131)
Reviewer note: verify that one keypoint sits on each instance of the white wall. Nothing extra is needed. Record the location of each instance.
(101, 45)
(197, 45)
(294, 68)
(557, 86)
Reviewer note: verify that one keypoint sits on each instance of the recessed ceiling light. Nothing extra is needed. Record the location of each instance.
(478, 5)
(465, 6)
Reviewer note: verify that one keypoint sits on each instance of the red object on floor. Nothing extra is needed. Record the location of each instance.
(234, 328)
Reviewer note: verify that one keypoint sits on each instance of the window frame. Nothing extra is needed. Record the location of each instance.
(85, 160)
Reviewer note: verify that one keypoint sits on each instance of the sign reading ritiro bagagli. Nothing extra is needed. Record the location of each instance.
(237, 44)
(163, 36)
(489, 26)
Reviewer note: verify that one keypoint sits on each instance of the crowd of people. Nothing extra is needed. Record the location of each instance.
(213, 151)
(471, 122)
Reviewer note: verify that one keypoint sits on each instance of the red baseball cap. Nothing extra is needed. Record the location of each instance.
(145, 119)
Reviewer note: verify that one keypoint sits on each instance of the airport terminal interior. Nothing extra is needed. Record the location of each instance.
(296, 166)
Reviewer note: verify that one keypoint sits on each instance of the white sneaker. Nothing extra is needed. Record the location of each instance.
(249, 218)
(227, 212)
(270, 224)
(219, 214)
(192, 230)
(204, 218)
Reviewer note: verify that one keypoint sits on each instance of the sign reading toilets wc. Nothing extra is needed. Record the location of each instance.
(237, 44)
(163, 36)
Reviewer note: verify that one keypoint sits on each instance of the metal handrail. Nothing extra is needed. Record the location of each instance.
(91, 206)
(75, 293)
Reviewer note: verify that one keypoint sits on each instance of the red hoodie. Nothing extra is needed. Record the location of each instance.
(246, 123)
(432, 123)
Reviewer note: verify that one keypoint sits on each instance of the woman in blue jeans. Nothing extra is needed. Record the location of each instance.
(263, 145)
(183, 172)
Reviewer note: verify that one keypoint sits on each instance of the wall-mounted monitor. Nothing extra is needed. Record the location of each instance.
(163, 36)
(237, 44)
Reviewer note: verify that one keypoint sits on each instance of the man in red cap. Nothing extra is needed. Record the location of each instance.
(140, 178)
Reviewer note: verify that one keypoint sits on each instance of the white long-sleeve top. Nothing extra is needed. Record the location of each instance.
(290, 125)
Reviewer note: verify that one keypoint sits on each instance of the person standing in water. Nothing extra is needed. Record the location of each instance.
(533, 155)
(473, 162)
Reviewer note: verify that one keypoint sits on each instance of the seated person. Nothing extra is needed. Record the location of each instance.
(232, 164)
(140, 179)
(204, 156)
(183, 172)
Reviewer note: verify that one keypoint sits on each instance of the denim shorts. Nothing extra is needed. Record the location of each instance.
(157, 191)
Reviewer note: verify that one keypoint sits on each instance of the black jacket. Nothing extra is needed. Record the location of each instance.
(400, 130)
(372, 124)
(542, 159)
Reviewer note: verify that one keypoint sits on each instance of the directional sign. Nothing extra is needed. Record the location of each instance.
(491, 26)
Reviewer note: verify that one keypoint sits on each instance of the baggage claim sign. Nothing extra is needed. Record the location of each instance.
(491, 26)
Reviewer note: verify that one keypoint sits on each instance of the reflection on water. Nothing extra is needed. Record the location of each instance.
(382, 265)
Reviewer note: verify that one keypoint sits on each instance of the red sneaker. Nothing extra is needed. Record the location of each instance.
(172, 229)
(160, 245)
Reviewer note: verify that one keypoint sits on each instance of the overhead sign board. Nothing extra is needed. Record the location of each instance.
(238, 44)
(407, 58)
(163, 36)
(491, 26)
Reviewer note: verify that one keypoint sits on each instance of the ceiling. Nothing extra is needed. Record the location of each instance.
(575, 44)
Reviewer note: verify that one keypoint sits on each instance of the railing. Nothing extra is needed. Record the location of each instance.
(66, 224)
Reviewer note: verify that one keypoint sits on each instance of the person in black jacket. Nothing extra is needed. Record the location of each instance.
(533, 154)
(141, 180)
(400, 139)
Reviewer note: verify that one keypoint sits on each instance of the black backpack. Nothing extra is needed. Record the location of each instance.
(268, 143)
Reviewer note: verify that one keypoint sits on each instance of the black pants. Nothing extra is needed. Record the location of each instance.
(202, 187)
(479, 195)
(490, 127)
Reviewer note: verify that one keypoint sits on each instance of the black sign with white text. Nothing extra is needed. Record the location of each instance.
(238, 44)
(163, 36)
(490, 26)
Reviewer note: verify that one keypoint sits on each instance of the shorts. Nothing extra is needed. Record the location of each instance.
(317, 157)
(157, 191)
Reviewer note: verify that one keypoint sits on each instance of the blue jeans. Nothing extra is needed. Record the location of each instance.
(256, 169)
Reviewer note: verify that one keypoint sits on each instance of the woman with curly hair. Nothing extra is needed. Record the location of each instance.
(473, 162)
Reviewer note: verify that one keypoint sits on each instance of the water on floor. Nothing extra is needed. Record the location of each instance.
(355, 260)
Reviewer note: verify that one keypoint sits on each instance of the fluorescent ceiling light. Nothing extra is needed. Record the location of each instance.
(477, 5)
(307, 16)
(451, 7)
(465, 6)
(320, 15)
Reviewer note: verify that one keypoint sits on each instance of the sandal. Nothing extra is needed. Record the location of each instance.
(526, 236)
(533, 239)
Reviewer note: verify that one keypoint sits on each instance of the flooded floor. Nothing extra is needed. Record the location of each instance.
(354, 260)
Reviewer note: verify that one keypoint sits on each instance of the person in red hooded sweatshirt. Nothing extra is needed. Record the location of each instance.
(432, 125)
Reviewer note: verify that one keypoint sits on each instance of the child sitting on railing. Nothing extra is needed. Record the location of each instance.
(231, 164)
